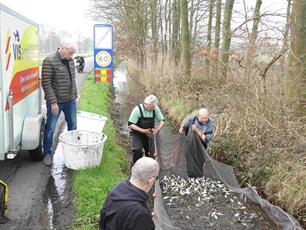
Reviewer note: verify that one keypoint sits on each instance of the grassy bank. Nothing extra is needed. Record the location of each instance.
(90, 186)
(256, 131)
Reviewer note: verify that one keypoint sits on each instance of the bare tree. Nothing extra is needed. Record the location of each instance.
(298, 35)
(185, 39)
(169, 23)
(131, 16)
(154, 28)
(226, 35)
(197, 17)
(286, 31)
(211, 8)
(161, 28)
(285, 40)
(297, 70)
(191, 14)
(175, 48)
(253, 35)
(166, 19)
(217, 32)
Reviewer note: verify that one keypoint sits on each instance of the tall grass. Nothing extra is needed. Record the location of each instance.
(256, 128)
(91, 186)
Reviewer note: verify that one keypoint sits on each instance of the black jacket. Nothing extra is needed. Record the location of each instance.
(125, 209)
(58, 79)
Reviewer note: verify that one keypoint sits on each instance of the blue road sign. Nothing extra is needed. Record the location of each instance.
(103, 52)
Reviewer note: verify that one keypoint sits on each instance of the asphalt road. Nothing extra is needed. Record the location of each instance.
(32, 186)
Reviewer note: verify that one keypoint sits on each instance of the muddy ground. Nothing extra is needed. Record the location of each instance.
(40, 197)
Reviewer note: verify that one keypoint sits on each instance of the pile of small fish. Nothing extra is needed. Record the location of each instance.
(202, 203)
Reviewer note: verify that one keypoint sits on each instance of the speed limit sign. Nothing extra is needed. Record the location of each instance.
(103, 53)
(103, 58)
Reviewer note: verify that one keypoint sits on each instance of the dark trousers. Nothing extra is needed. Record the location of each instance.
(140, 142)
(69, 108)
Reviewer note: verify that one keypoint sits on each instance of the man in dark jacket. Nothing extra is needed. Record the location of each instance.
(202, 128)
(201, 125)
(125, 207)
(58, 83)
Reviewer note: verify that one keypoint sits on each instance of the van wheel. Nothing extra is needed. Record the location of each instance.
(37, 154)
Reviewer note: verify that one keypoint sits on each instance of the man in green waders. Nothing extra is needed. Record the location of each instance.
(141, 123)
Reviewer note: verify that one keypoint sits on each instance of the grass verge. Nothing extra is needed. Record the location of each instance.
(90, 186)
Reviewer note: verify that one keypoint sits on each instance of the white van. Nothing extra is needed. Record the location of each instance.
(21, 121)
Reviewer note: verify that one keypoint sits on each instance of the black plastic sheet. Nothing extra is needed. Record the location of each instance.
(185, 156)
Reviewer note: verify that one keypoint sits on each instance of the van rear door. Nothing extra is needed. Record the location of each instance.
(2, 152)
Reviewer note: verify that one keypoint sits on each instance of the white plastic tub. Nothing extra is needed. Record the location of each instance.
(82, 148)
(90, 121)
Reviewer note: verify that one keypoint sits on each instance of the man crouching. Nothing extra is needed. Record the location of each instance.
(125, 207)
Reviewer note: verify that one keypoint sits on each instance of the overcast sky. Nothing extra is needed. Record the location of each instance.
(68, 15)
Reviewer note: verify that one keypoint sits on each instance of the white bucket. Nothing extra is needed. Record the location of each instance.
(90, 121)
(82, 148)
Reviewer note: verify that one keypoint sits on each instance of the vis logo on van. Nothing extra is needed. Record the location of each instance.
(16, 48)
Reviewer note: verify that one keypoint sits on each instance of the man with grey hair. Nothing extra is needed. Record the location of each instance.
(125, 207)
(58, 83)
(201, 125)
(142, 123)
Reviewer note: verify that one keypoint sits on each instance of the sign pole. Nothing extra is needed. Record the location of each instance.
(103, 53)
